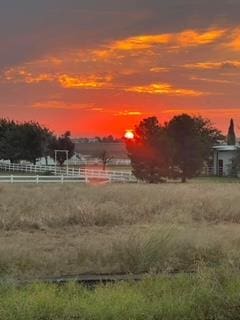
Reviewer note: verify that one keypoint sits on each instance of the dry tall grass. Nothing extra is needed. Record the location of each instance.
(51, 230)
(40, 207)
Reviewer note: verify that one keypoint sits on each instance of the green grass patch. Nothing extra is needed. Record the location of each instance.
(205, 295)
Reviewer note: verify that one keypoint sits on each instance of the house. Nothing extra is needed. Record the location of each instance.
(224, 154)
(223, 157)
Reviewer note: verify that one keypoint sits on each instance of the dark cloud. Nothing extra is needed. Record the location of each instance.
(29, 28)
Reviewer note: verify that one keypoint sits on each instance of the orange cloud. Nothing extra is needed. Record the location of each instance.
(61, 105)
(97, 109)
(235, 42)
(164, 89)
(130, 113)
(88, 82)
(159, 69)
(227, 64)
(141, 42)
(21, 74)
(187, 38)
(195, 38)
(220, 81)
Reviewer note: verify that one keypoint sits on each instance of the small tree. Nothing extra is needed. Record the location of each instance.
(231, 137)
(48, 139)
(105, 158)
(64, 142)
(148, 151)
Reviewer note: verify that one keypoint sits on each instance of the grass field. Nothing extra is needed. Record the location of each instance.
(55, 230)
(52, 230)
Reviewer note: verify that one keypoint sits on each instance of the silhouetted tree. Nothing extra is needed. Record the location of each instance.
(105, 158)
(48, 139)
(31, 136)
(231, 137)
(192, 139)
(23, 141)
(177, 149)
(148, 151)
(107, 139)
(63, 142)
(10, 141)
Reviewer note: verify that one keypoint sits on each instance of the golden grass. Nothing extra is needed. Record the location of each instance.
(51, 230)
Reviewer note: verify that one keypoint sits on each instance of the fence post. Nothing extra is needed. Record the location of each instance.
(37, 179)
(62, 178)
(11, 178)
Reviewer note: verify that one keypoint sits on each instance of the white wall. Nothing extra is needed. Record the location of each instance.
(227, 157)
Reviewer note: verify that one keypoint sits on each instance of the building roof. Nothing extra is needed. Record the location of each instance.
(115, 150)
(226, 147)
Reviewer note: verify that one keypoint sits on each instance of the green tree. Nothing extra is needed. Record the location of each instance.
(10, 145)
(63, 143)
(30, 139)
(192, 139)
(231, 137)
(148, 151)
(48, 139)
(23, 141)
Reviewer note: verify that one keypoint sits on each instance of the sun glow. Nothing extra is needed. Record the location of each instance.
(129, 135)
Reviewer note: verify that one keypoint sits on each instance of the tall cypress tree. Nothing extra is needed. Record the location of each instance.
(231, 137)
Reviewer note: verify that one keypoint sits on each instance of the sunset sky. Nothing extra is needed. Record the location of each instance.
(97, 67)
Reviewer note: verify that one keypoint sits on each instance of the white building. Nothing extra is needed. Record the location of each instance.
(223, 158)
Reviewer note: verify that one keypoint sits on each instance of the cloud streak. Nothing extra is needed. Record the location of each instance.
(165, 89)
(60, 105)
(213, 65)
(181, 40)
(81, 82)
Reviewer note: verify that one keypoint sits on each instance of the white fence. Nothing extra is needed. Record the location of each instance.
(85, 174)
(89, 162)
(86, 162)
(208, 171)
(41, 179)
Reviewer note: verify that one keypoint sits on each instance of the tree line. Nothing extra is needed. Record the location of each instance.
(97, 139)
(30, 141)
(176, 149)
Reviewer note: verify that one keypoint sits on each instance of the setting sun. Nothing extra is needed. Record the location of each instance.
(129, 135)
